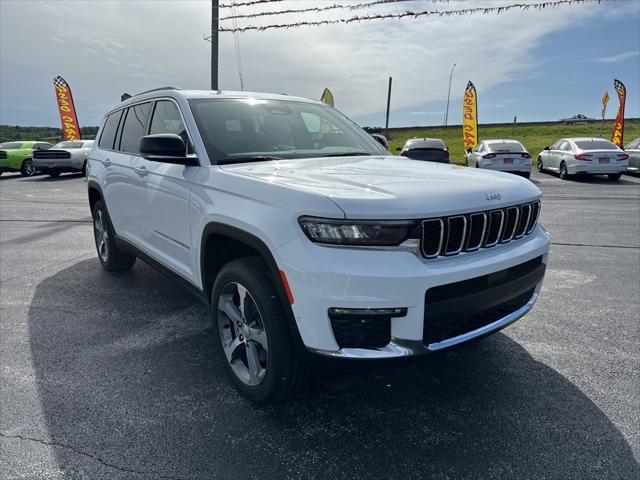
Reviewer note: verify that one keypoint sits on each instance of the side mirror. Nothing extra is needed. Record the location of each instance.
(547, 148)
(165, 148)
(381, 139)
(398, 149)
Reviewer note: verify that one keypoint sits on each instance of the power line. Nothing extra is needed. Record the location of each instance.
(236, 36)
(430, 13)
(246, 4)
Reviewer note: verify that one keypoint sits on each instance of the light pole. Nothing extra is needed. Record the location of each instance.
(214, 43)
(446, 114)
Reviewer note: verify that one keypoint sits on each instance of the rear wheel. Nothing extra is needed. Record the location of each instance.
(84, 169)
(27, 169)
(564, 173)
(111, 258)
(253, 335)
(614, 177)
(526, 174)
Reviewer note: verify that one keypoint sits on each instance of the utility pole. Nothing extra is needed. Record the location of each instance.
(386, 126)
(215, 18)
(446, 115)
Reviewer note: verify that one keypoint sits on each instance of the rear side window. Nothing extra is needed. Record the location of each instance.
(595, 145)
(10, 146)
(134, 127)
(108, 136)
(42, 146)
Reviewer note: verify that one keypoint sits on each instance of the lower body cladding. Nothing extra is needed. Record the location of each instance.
(385, 304)
(576, 168)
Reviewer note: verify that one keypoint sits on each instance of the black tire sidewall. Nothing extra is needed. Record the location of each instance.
(23, 169)
(250, 273)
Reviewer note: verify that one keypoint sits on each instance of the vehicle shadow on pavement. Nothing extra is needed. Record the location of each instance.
(130, 387)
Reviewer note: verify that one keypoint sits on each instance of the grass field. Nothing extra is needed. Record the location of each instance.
(533, 137)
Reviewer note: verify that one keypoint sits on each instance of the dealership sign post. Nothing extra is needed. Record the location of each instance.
(68, 117)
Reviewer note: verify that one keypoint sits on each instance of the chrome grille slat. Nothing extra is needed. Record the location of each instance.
(469, 232)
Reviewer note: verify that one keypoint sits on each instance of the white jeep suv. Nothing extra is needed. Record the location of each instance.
(305, 237)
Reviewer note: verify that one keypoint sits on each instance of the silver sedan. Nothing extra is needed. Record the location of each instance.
(593, 156)
(633, 150)
(501, 155)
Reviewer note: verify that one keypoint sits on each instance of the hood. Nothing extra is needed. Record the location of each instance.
(394, 187)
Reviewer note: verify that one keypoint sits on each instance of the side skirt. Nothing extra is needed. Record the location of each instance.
(131, 249)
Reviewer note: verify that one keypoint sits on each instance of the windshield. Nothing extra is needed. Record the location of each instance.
(10, 146)
(247, 129)
(506, 147)
(595, 145)
(68, 145)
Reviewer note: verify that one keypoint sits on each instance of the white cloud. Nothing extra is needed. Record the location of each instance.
(619, 57)
(105, 48)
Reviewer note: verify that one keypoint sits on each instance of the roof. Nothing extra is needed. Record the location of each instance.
(585, 139)
(502, 140)
(188, 94)
(424, 143)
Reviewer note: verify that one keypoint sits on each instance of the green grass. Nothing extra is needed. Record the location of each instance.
(533, 137)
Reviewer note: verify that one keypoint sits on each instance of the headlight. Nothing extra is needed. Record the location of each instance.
(356, 232)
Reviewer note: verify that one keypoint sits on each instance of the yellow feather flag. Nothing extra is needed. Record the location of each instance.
(327, 97)
(470, 117)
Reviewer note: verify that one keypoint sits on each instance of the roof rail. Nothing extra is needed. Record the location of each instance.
(156, 90)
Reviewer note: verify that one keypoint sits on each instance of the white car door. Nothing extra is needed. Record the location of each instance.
(166, 189)
(555, 155)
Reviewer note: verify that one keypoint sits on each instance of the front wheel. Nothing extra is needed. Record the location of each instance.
(614, 177)
(253, 335)
(111, 257)
(540, 165)
(526, 174)
(27, 169)
(84, 169)
(564, 173)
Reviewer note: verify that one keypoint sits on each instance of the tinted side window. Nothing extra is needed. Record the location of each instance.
(167, 119)
(42, 146)
(108, 135)
(134, 125)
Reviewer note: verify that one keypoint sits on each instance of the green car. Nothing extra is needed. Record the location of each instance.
(16, 156)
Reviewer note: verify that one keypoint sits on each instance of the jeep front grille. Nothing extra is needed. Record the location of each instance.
(469, 232)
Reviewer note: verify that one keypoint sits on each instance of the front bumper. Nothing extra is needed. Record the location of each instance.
(328, 277)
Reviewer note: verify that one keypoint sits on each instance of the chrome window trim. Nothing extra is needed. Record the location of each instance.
(501, 212)
(484, 229)
(441, 237)
(464, 234)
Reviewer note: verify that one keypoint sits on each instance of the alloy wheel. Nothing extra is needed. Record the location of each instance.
(101, 233)
(29, 169)
(242, 333)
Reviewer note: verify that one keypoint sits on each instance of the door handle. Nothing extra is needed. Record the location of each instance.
(106, 162)
(142, 170)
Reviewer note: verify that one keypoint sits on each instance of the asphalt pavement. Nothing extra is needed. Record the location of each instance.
(114, 376)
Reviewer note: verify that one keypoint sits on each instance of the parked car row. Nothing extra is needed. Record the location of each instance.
(567, 157)
(30, 158)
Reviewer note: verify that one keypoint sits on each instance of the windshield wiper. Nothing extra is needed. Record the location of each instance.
(347, 154)
(255, 158)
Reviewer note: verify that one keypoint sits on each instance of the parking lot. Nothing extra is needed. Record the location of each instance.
(114, 377)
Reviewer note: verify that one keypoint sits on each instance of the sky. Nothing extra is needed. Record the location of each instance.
(536, 65)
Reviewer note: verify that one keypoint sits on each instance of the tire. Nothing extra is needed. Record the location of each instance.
(526, 175)
(564, 173)
(111, 258)
(614, 177)
(540, 165)
(27, 169)
(84, 169)
(278, 371)
(54, 174)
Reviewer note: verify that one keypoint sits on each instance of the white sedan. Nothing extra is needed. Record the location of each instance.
(502, 155)
(593, 156)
